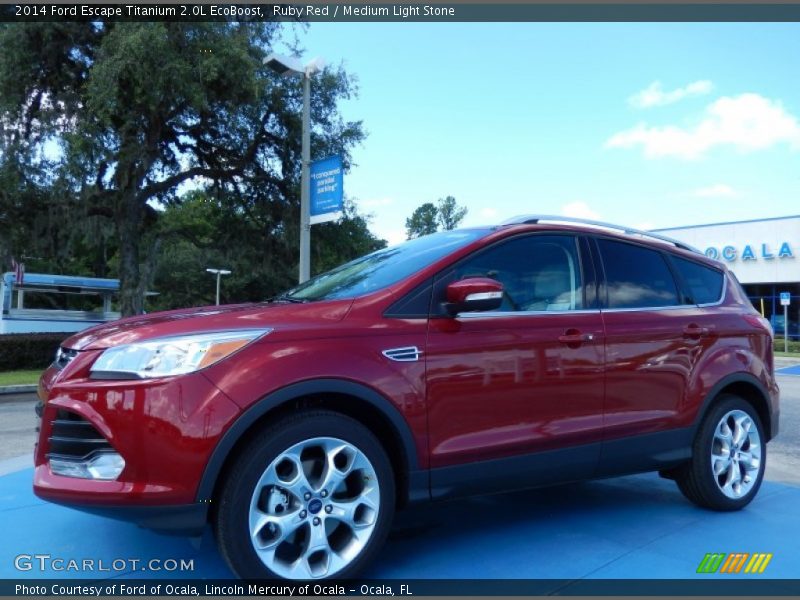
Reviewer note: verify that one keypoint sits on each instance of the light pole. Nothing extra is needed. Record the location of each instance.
(293, 67)
(219, 273)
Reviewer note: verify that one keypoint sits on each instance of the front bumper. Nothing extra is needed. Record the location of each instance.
(165, 429)
(172, 519)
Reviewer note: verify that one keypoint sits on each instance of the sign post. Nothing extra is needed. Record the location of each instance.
(327, 196)
(786, 299)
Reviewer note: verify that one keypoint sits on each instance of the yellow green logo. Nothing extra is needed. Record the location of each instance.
(738, 562)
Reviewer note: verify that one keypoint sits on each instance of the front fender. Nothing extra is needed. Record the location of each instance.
(291, 392)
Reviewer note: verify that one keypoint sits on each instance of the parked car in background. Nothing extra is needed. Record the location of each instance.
(478, 360)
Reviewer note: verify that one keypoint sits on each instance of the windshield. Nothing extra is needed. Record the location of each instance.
(382, 268)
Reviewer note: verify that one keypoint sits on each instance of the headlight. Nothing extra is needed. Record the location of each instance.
(171, 356)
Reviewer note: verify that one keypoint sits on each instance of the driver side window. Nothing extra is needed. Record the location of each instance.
(538, 272)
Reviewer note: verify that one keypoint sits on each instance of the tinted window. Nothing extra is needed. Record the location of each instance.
(636, 277)
(382, 268)
(704, 283)
(538, 273)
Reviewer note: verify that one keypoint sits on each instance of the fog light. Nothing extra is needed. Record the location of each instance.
(106, 466)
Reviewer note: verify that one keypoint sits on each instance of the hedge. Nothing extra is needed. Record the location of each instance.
(794, 346)
(29, 350)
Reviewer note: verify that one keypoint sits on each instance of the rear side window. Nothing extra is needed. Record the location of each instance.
(636, 277)
(704, 283)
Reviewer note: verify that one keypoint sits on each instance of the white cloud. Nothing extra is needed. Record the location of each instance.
(654, 94)
(644, 226)
(718, 190)
(747, 122)
(579, 210)
(489, 213)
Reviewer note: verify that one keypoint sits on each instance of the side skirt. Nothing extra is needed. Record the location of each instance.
(612, 458)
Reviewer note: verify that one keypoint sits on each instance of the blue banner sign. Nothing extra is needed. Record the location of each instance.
(327, 196)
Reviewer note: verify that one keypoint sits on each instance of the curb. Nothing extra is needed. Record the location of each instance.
(7, 390)
(785, 361)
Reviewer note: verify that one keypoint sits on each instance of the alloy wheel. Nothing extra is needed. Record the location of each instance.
(736, 454)
(314, 508)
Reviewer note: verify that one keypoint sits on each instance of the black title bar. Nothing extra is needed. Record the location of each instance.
(716, 586)
(403, 12)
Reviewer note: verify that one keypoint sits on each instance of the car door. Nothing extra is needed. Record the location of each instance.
(515, 395)
(652, 341)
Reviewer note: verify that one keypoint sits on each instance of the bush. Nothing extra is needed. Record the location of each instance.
(29, 350)
(794, 346)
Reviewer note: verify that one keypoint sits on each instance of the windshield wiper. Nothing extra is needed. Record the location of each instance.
(287, 298)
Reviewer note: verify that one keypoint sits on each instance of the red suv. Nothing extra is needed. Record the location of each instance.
(533, 353)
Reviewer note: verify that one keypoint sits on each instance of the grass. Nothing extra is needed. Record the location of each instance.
(787, 354)
(19, 377)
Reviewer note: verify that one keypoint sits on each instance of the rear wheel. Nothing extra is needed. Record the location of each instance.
(728, 457)
(312, 497)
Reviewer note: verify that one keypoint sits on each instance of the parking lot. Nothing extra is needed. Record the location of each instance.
(630, 527)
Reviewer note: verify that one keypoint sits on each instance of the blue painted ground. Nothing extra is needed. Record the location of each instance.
(793, 370)
(630, 527)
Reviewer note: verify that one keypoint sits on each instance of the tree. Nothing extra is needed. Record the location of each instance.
(422, 221)
(133, 112)
(448, 214)
(206, 231)
(429, 217)
(338, 242)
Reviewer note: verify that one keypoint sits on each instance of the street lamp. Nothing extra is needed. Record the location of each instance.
(288, 66)
(219, 273)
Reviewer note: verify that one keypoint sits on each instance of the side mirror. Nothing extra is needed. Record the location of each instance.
(474, 294)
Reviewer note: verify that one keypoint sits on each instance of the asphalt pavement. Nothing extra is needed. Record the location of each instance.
(17, 425)
(783, 453)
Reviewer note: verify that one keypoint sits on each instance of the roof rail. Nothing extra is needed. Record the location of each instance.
(534, 219)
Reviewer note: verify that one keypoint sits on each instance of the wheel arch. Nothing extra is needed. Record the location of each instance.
(747, 387)
(355, 400)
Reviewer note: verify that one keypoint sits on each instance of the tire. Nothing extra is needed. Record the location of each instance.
(310, 497)
(732, 425)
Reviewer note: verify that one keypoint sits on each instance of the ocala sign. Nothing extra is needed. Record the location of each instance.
(750, 252)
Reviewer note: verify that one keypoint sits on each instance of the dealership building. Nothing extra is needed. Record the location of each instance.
(765, 256)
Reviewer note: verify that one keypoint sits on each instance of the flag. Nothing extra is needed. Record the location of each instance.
(19, 271)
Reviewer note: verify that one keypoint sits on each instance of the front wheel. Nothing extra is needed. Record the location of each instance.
(311, 497)
(728, 457)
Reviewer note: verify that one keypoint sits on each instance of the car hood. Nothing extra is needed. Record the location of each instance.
(208, 319)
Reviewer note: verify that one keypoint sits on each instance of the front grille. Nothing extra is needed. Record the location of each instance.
(72, 437)
(63, 357)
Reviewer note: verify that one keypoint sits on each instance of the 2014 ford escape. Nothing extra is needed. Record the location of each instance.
(464, 362)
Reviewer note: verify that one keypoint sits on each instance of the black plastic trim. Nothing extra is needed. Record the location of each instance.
(537, 469)
(171, 519)
(414, 305)
(624, 456)
(600, 271)
(591, 276)
(646, 452)
(317, 386)
(115, 375)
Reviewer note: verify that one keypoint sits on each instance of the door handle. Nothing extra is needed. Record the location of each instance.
(695, 331)
(573, 337)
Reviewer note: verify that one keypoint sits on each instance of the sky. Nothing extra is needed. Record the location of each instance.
(643, 124)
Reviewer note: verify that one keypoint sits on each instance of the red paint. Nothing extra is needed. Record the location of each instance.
(499, 386)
